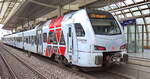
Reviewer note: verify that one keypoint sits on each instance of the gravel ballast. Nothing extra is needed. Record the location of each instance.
(47, 68)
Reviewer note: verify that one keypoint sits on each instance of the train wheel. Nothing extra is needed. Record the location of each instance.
(52, 57)
(65, 61)
(59, 59)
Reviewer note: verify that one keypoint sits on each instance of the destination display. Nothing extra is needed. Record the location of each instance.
(98, 16)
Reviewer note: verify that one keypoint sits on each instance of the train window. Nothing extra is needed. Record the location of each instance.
(20, 39)
(105, 26)
(79, 30)
(69, 31)
(40, 39)
(44, 37)
(62, 40)
(26, 39)
(16, 39)
(49, 37)
(32, 39)
(29, 39)
(52, 38)
(35, 39)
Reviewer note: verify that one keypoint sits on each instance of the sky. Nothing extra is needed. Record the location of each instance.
(3, 32)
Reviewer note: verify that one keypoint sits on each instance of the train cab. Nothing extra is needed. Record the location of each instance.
(94, 38)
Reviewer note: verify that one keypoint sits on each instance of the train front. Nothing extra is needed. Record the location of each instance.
(109, 39)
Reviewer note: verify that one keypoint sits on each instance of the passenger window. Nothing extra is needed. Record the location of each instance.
(19, 39)
(35, 39)
(79, 30)
(54, 38)
(26, 39)
(44, 37)
(62, 40)
(29, 41)
(50, 36)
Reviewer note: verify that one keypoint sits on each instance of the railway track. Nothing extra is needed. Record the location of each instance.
(97, 74)
(35, 72)
(54, 63)
(87, 75)
(11, 73)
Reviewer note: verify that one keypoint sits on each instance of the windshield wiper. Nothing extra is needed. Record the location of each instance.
(115, 34)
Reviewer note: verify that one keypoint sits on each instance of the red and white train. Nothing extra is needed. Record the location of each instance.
(85, 38)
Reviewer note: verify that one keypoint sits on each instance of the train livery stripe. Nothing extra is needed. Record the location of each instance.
(62, 50)
(46, 52)
(52, 24)
(55, 26)
(58, 21)
(51, 51)
(58, 36)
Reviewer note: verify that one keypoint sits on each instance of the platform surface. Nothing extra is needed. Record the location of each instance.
(145, 54)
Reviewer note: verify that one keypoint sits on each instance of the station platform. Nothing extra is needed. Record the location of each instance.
(145, 54)
(138, 66)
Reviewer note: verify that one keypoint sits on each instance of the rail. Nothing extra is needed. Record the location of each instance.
(40, 76)
(9, 67)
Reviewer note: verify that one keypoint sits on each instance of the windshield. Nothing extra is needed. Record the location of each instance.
(105, 26)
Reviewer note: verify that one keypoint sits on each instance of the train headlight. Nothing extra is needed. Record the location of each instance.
(99, 48)
(123, 47)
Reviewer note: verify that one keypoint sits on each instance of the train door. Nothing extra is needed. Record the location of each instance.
(72, 44)
(44, 42)
(39, 41)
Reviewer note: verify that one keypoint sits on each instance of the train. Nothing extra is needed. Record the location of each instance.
(84, 38)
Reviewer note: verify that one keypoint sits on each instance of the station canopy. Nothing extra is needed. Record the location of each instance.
(32, 9)
(18, 10)
(129, 9)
